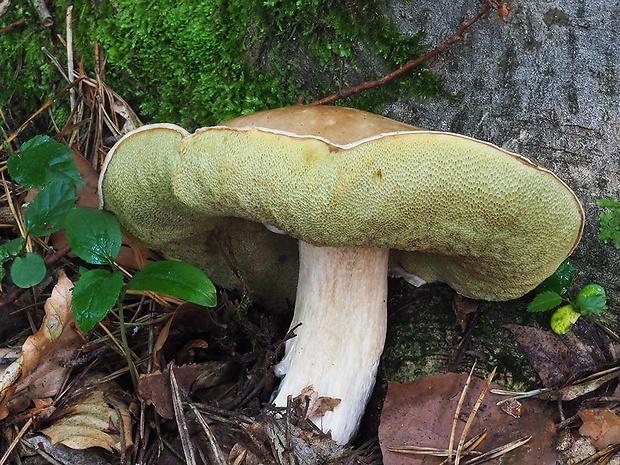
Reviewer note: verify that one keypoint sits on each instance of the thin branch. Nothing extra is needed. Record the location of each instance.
(12, 26)
(457, 412)
(44, 107)
(472, 415)
(44, 13)
(72, 96)
(15, 441)
(412, 64)
(184, 435)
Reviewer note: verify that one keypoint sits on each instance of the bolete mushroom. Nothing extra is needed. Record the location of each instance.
(349, 186)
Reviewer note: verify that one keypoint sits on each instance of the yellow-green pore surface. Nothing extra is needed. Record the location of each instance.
(487, 222)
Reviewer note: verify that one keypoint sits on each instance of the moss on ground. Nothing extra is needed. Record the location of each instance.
(199, 63)
(423, 336)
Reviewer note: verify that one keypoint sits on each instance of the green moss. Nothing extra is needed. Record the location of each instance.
(423, 336)
(199, 63)
(27, 77)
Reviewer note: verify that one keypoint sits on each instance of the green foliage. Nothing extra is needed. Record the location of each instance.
(178, 279)
(544, 301)
(42, 161)
(94, 295)
(28, 270)
(560, 281)
(590, 301)
(93, 235)
(49, 208)
(27, 77)
(563, 319)
(609, 221)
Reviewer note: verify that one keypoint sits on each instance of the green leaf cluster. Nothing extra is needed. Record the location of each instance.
(49, 167)
(609, 221)
(552, 293)
(93, 235)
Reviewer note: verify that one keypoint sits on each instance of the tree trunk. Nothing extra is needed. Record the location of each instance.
(543, 83)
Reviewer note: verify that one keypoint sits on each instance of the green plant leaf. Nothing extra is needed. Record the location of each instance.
(544, 301)
(49, 208)
(609, 221)
(563, 319)
(94, 295)
(11, 249)
(591, 299)
(43, 161)
(560, 281)
(93, 235)
(177, 279)
(28, 270)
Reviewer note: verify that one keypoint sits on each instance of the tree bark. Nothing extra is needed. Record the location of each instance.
(542, 82)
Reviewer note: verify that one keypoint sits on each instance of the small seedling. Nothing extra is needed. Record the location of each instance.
(552, 294)
(93, 235)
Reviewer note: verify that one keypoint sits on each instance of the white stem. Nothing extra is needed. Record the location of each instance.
(341, 304)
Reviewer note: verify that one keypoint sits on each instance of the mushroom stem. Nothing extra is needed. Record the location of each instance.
(341, 305)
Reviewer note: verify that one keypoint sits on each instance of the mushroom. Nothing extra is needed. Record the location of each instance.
(349, 186)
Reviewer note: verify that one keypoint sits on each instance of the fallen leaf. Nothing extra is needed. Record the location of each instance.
(421, 413)
(155, 387)
(562, 359)
(602, 426)
(317, 406)
(45, 355)
(98, 419)
(546, 352)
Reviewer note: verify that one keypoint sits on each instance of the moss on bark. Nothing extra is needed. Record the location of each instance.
(198, 63)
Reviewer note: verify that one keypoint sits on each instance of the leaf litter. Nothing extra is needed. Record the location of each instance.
(420, 416)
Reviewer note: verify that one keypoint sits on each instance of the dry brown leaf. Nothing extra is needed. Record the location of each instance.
(99, 419)
(601, 425)
(155, 387)
(560, 359)
(43, 366)
(420, 413)
(547, 353)
(317, 406)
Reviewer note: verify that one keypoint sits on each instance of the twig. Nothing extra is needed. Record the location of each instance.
(70, 58)
(472, 415)
(4, 6)
(457, 412)
(12, 26)
(216, 452)
(412, 64)
(21, 433)
(44, 107)
(498, 451)
(186, 442)
(44, 13)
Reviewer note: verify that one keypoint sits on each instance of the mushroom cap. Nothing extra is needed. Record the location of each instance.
(338, 125)
(488, 222)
